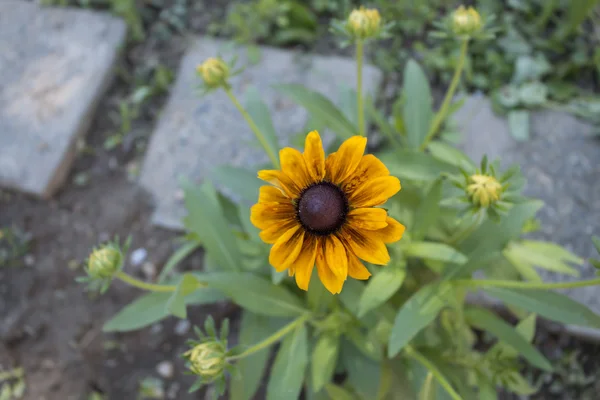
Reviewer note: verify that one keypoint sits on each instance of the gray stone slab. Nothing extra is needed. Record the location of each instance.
(562, 165)
(195, 134)
(56, 64)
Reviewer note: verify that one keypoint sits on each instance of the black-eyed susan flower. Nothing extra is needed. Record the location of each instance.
(325, 212)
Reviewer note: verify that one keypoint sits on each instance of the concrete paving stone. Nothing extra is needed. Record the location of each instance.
(56, 63)
(561, 163)
(196, 134)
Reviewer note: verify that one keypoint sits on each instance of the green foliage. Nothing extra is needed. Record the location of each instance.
(407, 332)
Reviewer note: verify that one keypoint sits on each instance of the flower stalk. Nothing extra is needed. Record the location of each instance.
(152, 287)
(443, 111)
(257, 132)
(280, 334)
(479, 283)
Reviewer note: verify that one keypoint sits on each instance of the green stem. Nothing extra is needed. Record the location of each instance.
(411, 352)
(144, 285)
(13, 373)
(526, 285)
(259, 135)
(271, 339)
(359, 98)
(443, 111)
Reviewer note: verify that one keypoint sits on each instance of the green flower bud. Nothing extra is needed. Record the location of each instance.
(207, 360)
(483, 190)
(466, 21)
(364, 23)
(214, 72)
(104, 262)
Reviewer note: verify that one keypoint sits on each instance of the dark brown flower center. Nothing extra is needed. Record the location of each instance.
(322, 208)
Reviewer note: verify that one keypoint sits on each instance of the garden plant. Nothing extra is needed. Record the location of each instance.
(357, 264)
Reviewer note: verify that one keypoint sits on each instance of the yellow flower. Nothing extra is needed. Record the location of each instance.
(364, 23)
(207, 360)
(324, 211)
(466, 21)
(214, 72)
(483, 190)
(104, 262)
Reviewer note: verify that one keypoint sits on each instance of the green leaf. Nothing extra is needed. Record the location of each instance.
(544, 255)
(289, 368)
(434, 251)
(525, 328)
(176, 303)
(516, 383)
(428, 211)
(336, 392)
(551, 305)
(418, 312)
(449, 154)
(318, 297)
(417, 112)
(413, 165)
(261, 115)
(253, 329)
(150, 308)
(179, 255)
(364, 374)
(256, 294)
(518, 122)
(324, 360)
(320, 106)
(206, 220)
(380, 288)
(487, 321)
(242, 181)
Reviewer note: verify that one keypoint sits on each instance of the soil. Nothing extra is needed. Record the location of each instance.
(49, 325)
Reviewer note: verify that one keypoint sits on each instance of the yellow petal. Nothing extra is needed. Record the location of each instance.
(287, 248)
(272, 194)
(375, 192)
(314, 156)
(336, 257)
(273, 233)
(368, 218)
(331, 282)
(305, 263)
(263, 215)
(280, 180)
(356, 269)
(294, 167)
(342, 163)
(368, 169)
(366, 245)
(392, 232)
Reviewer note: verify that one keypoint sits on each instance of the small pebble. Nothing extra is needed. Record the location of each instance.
(165, 369)
(182, 327)
(29, 260)
(149, 270)
(138, 256)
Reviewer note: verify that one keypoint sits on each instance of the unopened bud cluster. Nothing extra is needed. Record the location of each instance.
(466, 21)
(214, 72)
(483, 190)
(364, 23)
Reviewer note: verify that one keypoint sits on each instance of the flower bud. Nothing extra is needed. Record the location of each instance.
(104, 262)
(207, 360)
(466, 21)
(364, 23)
(483, 190)
(214, 72)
